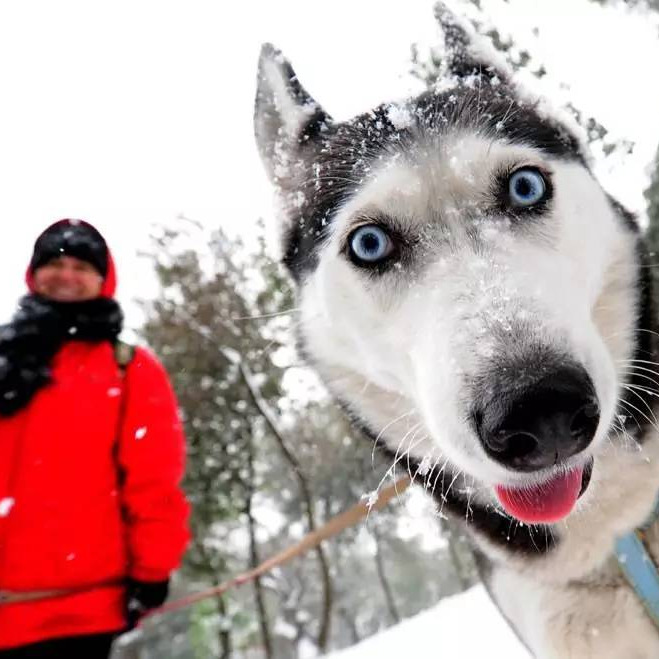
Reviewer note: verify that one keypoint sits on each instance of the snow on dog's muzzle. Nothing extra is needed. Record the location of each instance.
(537, 426)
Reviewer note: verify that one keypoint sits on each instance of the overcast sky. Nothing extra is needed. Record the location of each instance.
(129, 113)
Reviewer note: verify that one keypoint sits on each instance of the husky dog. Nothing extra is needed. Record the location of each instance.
(481, 306)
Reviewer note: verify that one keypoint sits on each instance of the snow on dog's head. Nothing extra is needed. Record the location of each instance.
(466, 287)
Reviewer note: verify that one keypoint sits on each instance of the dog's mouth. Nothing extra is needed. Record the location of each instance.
(549, 501)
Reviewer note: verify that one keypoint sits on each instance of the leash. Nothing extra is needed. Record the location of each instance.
(638, 567)
(22, 596)
(333, 527)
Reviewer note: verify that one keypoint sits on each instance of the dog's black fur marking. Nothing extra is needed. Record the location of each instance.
(646, 340)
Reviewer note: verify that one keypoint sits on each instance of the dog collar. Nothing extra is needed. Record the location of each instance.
(638, 567)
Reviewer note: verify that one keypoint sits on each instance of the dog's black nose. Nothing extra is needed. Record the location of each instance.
(543, 424)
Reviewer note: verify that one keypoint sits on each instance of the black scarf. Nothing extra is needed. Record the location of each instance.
(36, 333)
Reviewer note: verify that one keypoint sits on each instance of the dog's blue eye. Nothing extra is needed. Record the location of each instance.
(526, 187)
(370, 244)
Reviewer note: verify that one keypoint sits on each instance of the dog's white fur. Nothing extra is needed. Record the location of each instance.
(402, 350)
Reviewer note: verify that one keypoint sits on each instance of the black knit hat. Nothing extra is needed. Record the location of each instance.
(71, 238)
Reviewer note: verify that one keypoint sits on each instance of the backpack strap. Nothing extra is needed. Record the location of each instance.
(123, 354)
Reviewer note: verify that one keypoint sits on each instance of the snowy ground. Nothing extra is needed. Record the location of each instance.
(465, 626)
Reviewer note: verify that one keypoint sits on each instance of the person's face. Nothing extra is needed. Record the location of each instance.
(67, 279)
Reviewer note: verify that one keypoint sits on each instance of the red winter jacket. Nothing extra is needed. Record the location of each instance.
(89, 491)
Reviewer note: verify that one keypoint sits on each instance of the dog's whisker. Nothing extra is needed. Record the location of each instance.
(470, 493)
(430, 472)
(531, 528)
(635, 371)
(632, 390)
(639, 330)
(651, 391)
(626, 403)
(385, 428)
(274, 314)
(627, 438)
(407, 452)
(397, 458)
(633, 363)
(409, 448)
(422, 466)
(439, 473)
(391, 470)
(637, 361)
(448, 491)
(629, 414)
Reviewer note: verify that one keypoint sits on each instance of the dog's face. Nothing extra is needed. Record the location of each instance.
(466, 287)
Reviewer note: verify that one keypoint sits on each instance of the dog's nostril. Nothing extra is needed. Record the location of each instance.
(517, 445)
(584, 422)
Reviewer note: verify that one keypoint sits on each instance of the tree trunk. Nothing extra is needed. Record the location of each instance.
(305, 491)
(224, 637)
(349, 621)
(384, 582)
(254, 560)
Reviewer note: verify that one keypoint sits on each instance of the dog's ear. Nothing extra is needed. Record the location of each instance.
(286, 117)
(467, 54)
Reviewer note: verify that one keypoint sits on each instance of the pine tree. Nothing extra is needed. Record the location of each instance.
(197, 325)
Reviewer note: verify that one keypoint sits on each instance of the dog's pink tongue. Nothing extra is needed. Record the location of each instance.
(544, 503)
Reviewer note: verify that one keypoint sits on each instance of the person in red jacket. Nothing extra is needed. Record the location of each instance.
(92, 517)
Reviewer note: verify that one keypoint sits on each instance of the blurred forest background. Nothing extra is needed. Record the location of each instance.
(271, 457)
